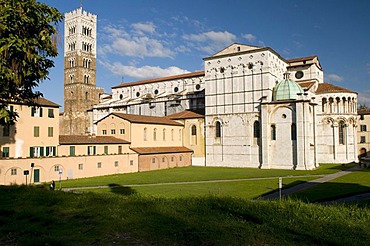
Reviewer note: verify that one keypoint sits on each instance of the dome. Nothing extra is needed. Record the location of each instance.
(286, 89)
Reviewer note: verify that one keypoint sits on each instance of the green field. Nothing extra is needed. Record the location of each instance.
(153, 208)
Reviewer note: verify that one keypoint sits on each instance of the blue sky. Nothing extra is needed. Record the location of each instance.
(142, 39)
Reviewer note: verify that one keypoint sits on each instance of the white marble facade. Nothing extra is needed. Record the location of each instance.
(247, 122)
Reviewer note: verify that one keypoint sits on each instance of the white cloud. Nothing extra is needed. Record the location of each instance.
(144, 27)
(140, 42)
(250, 37)
(363, 97)
(333, 78)
(144, 72)
(212, 41)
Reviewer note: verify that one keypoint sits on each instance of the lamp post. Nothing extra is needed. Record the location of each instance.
(32, 165)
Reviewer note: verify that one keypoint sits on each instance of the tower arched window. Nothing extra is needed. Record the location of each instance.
(193, 137)
(155, 134)
(164, 134)
(86, 79)
(341, 129)
(194, 130)
(331, 105)
(86, 95)
(218, 129)
(71, 78)
(338, 104)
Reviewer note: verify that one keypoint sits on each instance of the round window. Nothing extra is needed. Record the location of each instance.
(176, 89)
(299, 75)
(156, 92)
(197, 86)
(120, 96)
(137, 94)
(283, 116)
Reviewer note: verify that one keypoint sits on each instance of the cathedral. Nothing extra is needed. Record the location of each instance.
(253, 107)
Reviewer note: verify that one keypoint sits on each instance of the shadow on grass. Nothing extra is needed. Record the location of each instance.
(121, 190)
(343, 167)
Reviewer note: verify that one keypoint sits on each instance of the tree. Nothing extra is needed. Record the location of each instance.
(28, 39)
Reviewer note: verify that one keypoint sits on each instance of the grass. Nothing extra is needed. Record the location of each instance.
(190, 174)
(350, 184)
(37, 216)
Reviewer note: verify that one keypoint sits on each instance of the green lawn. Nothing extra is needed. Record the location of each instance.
(38, 216)
(188, 174)
(353, 183)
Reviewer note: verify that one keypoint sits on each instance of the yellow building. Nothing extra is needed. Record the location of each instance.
(158, 141)
(363, 131)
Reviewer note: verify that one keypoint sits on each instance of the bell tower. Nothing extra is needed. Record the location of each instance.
(80, 92)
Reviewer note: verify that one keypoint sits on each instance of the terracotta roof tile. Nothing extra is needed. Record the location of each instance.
(306, 84)
(329, 88)
(82, 139)
(160, 150)
(180, 76)
(40, 101)
(187, 114)
(302, 59)
(145, 119)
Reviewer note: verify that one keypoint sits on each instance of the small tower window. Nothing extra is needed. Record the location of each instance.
(218, 129)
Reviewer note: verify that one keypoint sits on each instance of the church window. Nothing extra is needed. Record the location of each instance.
(172, 134)
(137, 94)
(156, 92)
(86, 79)
(341, 130)
(323, 105)
(145, 134)
(293, 131)
(86, 95)
(71, 78)
(193, 130)
(256, 129)
(164, 134)
(338, 104)
(120, 96)
(331, 105)
(193, 137)
(218, 129)
(6, 131)
(176, 89)
(273, 132)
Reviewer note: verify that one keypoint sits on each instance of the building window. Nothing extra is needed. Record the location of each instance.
(91, 150)
(218, 129)
(256, 129)
(106, 150)
(36, 111)
(155, 134)
(36, 151)
(113, 131)
(341, 132)
(72, 150)
(116, 163)
(6, 131)
(172, 134)
(293, 131)
(180, 157)
(163, 159)
(80, 166)
(50, 131)
(56, 168)
(153, 160)
(193, 130)
(119, 149)
(273, 132)
(5, 152)
(362, 139)
(50, 151)
(13, 171)
(51, 113)
(99, 165)
(121, 131)
(104, 132)
(131, 162)
(363, 128)
(145, 134)
(36, 131)
(172, 159)
(164, 134)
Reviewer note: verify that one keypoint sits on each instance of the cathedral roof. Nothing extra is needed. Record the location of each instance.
(329, 88)
(161, 150)
(187, 114)
(84, 139)
(148, 81)
(286, 89)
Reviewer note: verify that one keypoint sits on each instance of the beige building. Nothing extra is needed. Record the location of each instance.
(158, 141)
(363, 131)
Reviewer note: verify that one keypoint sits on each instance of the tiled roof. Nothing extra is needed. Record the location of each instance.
(180, 76)
(82, 139)
(160, 150)
(365, 111)
(145, 119)
(187, 114)
(302, 59)
(329, 88)
(39, 101)
(306, 84)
